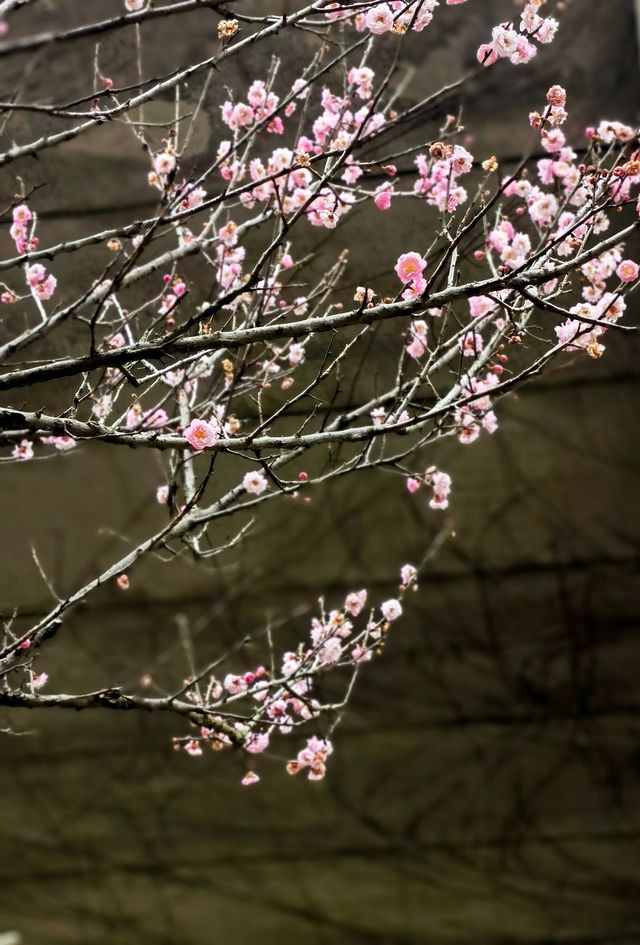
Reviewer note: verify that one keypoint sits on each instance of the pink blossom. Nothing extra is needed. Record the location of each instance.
(504, 40)
(547, 30)
(480, 305)
(250, 778)
(524, 52)
(355, 602)
(46, 288)
(234, 684)
(383, 197)
(313, 756)
(257, 742)
(61, 443)
(162, 495)
(441, 484)
(22, 215)
(35, 274)
(413, 484)
(391, 609)
(379, 19)
(627, 271)
(276, 126)
(487, 55)
(408, 574)
(360, 654)
(164, 163)
(193, 748)
(331, 651)
(471, 344)
(414, 289)
(228, 233)
(38, 680)
(416, 348)
(254, 482)
(410, 266)
(295, 354)
(556, 95)
(201, 435)
(23, 450)
(241, 116)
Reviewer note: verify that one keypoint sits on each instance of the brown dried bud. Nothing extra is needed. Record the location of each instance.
(114, 245)
(439, 150)
(227, 28)
(631, 168)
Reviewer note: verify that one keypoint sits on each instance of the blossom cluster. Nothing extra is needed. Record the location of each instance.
(518, 45)
(439, 481)
(393, 16)
(438, 176)
(280, 702)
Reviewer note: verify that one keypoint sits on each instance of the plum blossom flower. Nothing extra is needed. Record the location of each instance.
(355, 602)
(41, 284)
(23, 450)
(557, 96)
(254, 482)
(382, 198)
(250, 778)
(391, 609)
(379, 19)
(295, 354)
(201, 435)
(330, 652)
(234, 685)
(314, 757)
(504, 40)
(627, 271)
(410, 266)
(471, 344)
(257, 742)
(193, 748)
(408, 574)
(164, 163)
(62, 443)
(441, 484)
(480, 305)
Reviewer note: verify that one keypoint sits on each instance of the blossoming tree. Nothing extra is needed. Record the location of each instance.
(242, 376)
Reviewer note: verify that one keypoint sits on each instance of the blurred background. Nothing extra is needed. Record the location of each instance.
(485, 783)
